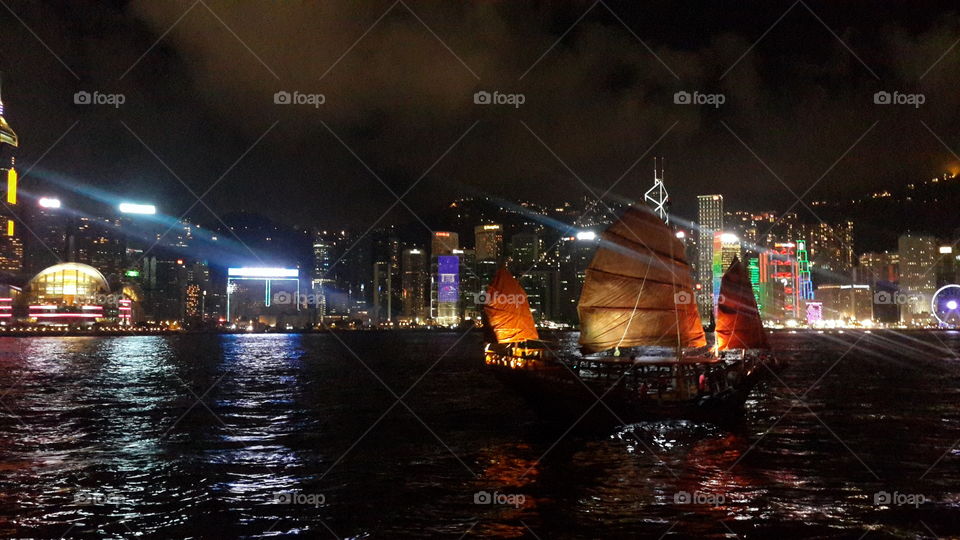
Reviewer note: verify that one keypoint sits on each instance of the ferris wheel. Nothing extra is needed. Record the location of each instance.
(945, 305)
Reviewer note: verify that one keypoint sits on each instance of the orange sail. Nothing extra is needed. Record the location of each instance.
(639, 288)
(508, 310)
(738, 319)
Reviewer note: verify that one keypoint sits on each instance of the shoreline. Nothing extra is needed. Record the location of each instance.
(131, 333)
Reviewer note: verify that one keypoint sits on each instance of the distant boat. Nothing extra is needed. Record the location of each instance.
(643, 350)
(739, 331)
(512, 332)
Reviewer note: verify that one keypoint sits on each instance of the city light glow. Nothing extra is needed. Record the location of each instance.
(729, 238)
(263, 272)
(134, 208)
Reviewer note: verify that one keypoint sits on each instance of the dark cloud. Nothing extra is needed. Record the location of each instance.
(399, 98)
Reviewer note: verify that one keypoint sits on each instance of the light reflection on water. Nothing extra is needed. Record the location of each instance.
(197, 436)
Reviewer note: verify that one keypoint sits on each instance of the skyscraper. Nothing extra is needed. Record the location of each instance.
(657, 196)
(99, 243)
(445, 290)
(726, 248)
(710, 220)
(386, 273)
(321, 279)
(416, 279)
(48, 243)
(918, 259)
(11, 241)
(525, 250)
(443, 243)
(489, 252)
(382, 292)
(489, 242)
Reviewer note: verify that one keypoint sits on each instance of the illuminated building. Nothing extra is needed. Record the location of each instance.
(709, 221)
(576, 252)
(68, 293)
(322, 280)
(469, 284)
(489, 242)
(99, 243)
(192, 305)
(848, 303)
(726, 248)
(443, 243)
(657, 196)
(814, 312)
(878, 267)
(264, 295)
(744, 225)
(386, 291)
(540, 283)
(918, 258)
(830, 250)
(946, 267)
(445, 290)
(382, 291)
(173, 288)
(804, 283)
(779, 287)
(524, 251)
(47, 243)
(11, 237)
(753, 271)
(880, 270)
(415, 285)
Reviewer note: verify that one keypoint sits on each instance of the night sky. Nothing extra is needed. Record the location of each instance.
(199, 80)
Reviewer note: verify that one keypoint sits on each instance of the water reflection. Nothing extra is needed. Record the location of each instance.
(203, 436)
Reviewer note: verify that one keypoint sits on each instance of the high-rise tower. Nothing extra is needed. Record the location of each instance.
(709, 221)
(657, 196)
(11, 246)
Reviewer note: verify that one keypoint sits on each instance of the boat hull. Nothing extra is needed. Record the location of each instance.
(613, 392)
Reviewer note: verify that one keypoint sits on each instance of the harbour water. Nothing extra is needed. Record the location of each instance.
(403, 434)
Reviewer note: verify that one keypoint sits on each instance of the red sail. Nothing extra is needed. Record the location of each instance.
(738, 319)
(508, 310)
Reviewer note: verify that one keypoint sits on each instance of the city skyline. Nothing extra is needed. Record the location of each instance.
(479, 269)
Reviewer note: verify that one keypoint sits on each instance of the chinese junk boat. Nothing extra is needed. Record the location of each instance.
(515, 342)
(643, 348)
(739, 332)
